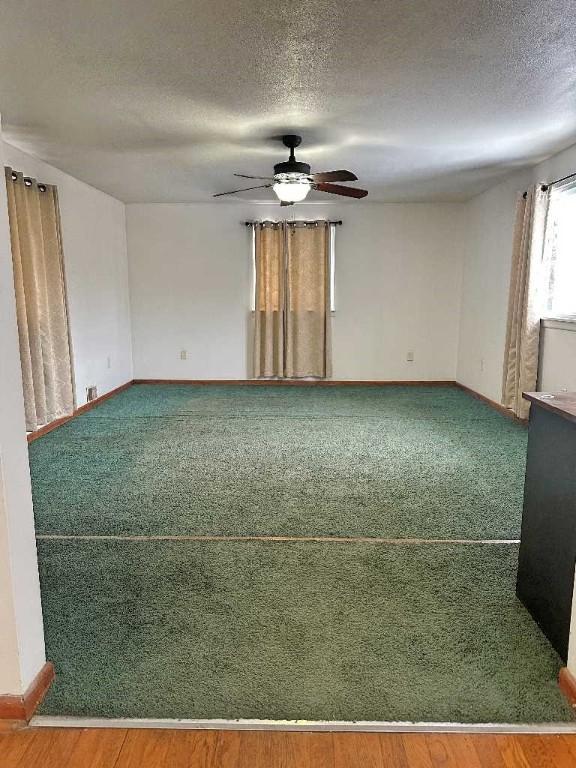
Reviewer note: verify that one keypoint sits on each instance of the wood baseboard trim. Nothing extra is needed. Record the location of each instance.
(81, 409)
(16, 710)
(31, 436)
(567, 683)
(492, 403)
(299, 382)
(98, 400)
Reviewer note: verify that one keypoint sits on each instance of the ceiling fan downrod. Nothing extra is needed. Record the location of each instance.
(292, 165)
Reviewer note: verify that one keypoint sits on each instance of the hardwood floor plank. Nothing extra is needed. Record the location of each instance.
(464, 751)
(298, 750)
(546, 751)
(512, 752)
(440, 752)
(257, 749)
(202, 749)
(487, 750)
(416, 749)
(352, 750)
(392, 749)
(192, 749)
(227, 749)
(277, 749)
(448, 752)
(50, 748)
(320, 749)
(145, 747)
(570, 744)
(13, 745)
(290, 750)
(96, 748)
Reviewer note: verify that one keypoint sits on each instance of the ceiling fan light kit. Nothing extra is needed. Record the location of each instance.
(293, 180)
(291, 188)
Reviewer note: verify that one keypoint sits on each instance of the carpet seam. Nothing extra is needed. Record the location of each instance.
(276, 539)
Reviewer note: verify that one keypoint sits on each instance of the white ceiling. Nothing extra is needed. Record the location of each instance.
(162, 100)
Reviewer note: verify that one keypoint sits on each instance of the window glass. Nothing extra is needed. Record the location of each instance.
(562, 276)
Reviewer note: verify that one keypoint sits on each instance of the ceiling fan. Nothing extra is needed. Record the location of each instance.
(292, 180)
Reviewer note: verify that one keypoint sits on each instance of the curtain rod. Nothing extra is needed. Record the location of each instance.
(546, 187)
(564, 178)
(253, 223)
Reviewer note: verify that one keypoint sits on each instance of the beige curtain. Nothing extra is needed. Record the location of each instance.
(307, 300)
(292, 313)
(269, 308)
(40, 300)
(528, 280)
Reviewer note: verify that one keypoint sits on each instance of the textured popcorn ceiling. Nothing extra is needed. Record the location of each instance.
(161, 100)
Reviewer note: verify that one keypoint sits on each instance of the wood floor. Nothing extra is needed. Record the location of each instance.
(117, 748)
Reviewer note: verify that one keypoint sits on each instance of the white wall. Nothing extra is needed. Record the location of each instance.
(486, 279)
(487, 274)
(484, 309)
(21, 632)
(398, 273)
(94, 238)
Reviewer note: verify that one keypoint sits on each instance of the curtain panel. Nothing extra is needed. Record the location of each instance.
(292, 312)
(307, 300)
(41, 308)
(527, 299)
(269, 307)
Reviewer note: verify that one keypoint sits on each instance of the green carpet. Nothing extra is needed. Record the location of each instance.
(293, 631)
(395, 462)
(298, 630)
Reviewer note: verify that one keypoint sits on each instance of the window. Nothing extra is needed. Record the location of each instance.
(561, 291)
(332, 267)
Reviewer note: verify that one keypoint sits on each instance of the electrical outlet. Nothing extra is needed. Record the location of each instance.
(409, 357)
(109, 362)
(481, 364)
(183, 354)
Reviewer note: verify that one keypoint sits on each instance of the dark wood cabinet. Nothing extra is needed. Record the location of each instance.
(548, 540)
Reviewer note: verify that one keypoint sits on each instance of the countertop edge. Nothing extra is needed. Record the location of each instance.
(561, 403)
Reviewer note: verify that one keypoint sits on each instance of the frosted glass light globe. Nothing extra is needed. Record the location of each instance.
(291, 191)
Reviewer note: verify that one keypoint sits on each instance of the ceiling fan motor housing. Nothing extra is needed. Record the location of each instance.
(292, 168)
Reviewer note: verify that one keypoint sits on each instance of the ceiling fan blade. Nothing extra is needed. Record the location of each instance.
(263, 178)
(245, 189)
(334, 176)
(337, 189)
